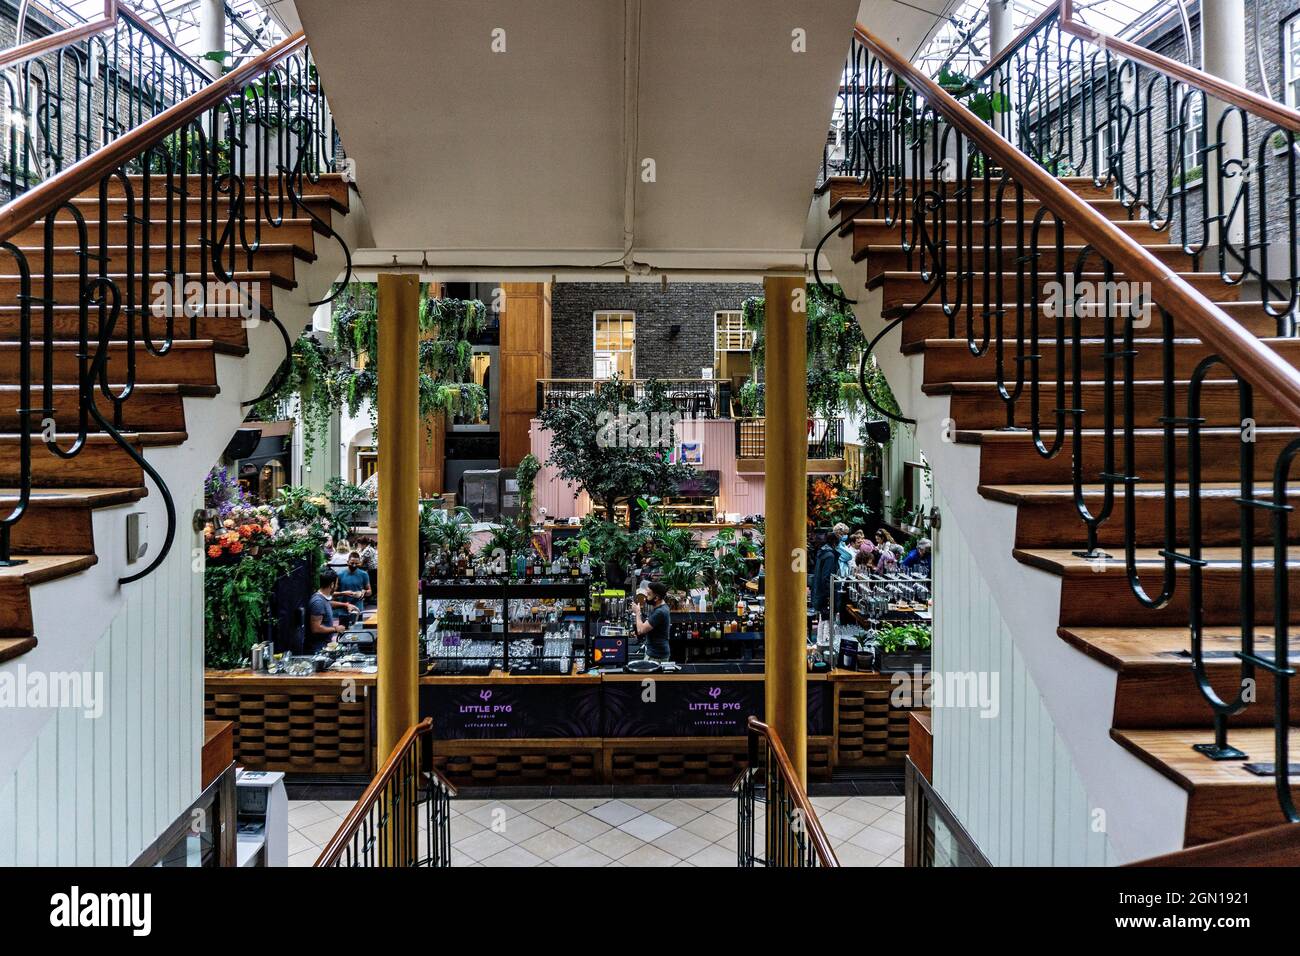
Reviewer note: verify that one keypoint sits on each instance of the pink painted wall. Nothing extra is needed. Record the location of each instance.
(740, 494)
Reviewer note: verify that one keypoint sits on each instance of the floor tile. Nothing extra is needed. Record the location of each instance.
(860, 809)
(462, 827)
(681, 843)
(615, 844)
(678, 812)
(483, 844)
(646, 827)
(309, 812)
(827, 803)
(586, 803)
(710, 827)
(615, 812)
(839, 827)
(514, 856)
(646, 804)
(709, 803)
(583, 827)
(713, 855)
(582, 856)
(305, 857)
(549, 844)
(850, 855)
(892, 822)
(877, 840)
(554, 812)
(649, 856)
(322, 832)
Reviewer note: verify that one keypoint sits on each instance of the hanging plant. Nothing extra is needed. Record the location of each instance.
(307, 393)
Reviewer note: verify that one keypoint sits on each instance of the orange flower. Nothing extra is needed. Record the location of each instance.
(236, 547)
(214, 551)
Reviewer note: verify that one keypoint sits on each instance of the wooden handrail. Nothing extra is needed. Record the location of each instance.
(821, 844)
(59, 38)
(1220, 89)
(352, 822)
(1238, 347)
(87, 172)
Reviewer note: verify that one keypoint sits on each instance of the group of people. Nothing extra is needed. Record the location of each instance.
(844, 553)
(343, 593)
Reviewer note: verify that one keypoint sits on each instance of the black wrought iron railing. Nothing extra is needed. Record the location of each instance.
(825, 438)
(1140, 376)
(404, 817)
(64, 104)
(690, 397)
(182, 203)
(771, 800)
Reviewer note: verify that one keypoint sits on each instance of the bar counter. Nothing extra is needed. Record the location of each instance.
(503, 729)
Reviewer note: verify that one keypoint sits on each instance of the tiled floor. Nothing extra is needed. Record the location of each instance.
(604, 831)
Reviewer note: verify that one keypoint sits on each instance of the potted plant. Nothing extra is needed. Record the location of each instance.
(444, 535)
(903, 647)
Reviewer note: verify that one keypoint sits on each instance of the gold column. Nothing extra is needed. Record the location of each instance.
(786, 466)
(399, 494)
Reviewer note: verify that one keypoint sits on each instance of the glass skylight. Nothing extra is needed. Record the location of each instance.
(250, 26)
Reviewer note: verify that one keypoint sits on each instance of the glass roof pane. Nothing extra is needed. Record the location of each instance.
(249, 28)
(961, 40)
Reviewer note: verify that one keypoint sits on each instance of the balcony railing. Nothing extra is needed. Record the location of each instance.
(404, 817)
(825, 438)
(691, 397)
(770, 798)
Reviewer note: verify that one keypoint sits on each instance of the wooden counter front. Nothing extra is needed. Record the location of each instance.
(323, 724)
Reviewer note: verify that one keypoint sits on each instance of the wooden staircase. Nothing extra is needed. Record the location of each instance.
(1158, 712)
(55, 538)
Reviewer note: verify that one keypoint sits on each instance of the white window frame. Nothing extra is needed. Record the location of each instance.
(596, 353)
(747, 335)
(1290, 43)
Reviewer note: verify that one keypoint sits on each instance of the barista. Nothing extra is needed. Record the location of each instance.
(655, 627)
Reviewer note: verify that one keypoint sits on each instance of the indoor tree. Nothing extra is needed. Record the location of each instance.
(615, 445)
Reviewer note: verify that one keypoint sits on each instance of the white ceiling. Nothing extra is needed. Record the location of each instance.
(517, 159)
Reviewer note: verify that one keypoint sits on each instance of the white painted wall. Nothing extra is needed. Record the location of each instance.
(1007, 776)
(99, 791)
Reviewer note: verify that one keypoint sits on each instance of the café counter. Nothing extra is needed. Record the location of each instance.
(503, 729)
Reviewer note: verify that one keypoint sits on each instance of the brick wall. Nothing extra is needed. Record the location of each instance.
(659, 354)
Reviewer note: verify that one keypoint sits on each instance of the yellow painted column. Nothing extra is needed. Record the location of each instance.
(399, 495)
(785, 493)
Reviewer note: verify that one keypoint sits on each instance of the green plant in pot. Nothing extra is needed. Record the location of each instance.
(507, 540)
(445, 535)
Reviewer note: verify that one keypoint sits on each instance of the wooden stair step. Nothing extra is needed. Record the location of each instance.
(978, 405)
(1155, 686)
(188, 362)
(151, 407)
(1224, 798)
(58, 521)
(847, 188)
(1098, 592)
(951, 360)
(89, 206)
(875, 232)
(275, 257)
(224, 325)
(101, 462)
(928, 321)
(898, 288)
(17, 580)
(1272, 846)
(296, 231)
(68, 289)
(1009, 457)
(893, 258)
(1046, 516)
(330, 186)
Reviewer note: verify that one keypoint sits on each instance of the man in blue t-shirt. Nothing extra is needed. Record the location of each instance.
(321, 625)
(354, 582)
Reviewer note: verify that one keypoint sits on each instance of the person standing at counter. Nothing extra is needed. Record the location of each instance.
(320, 612)
(354, 582)
(656, 627)
(825, 564)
